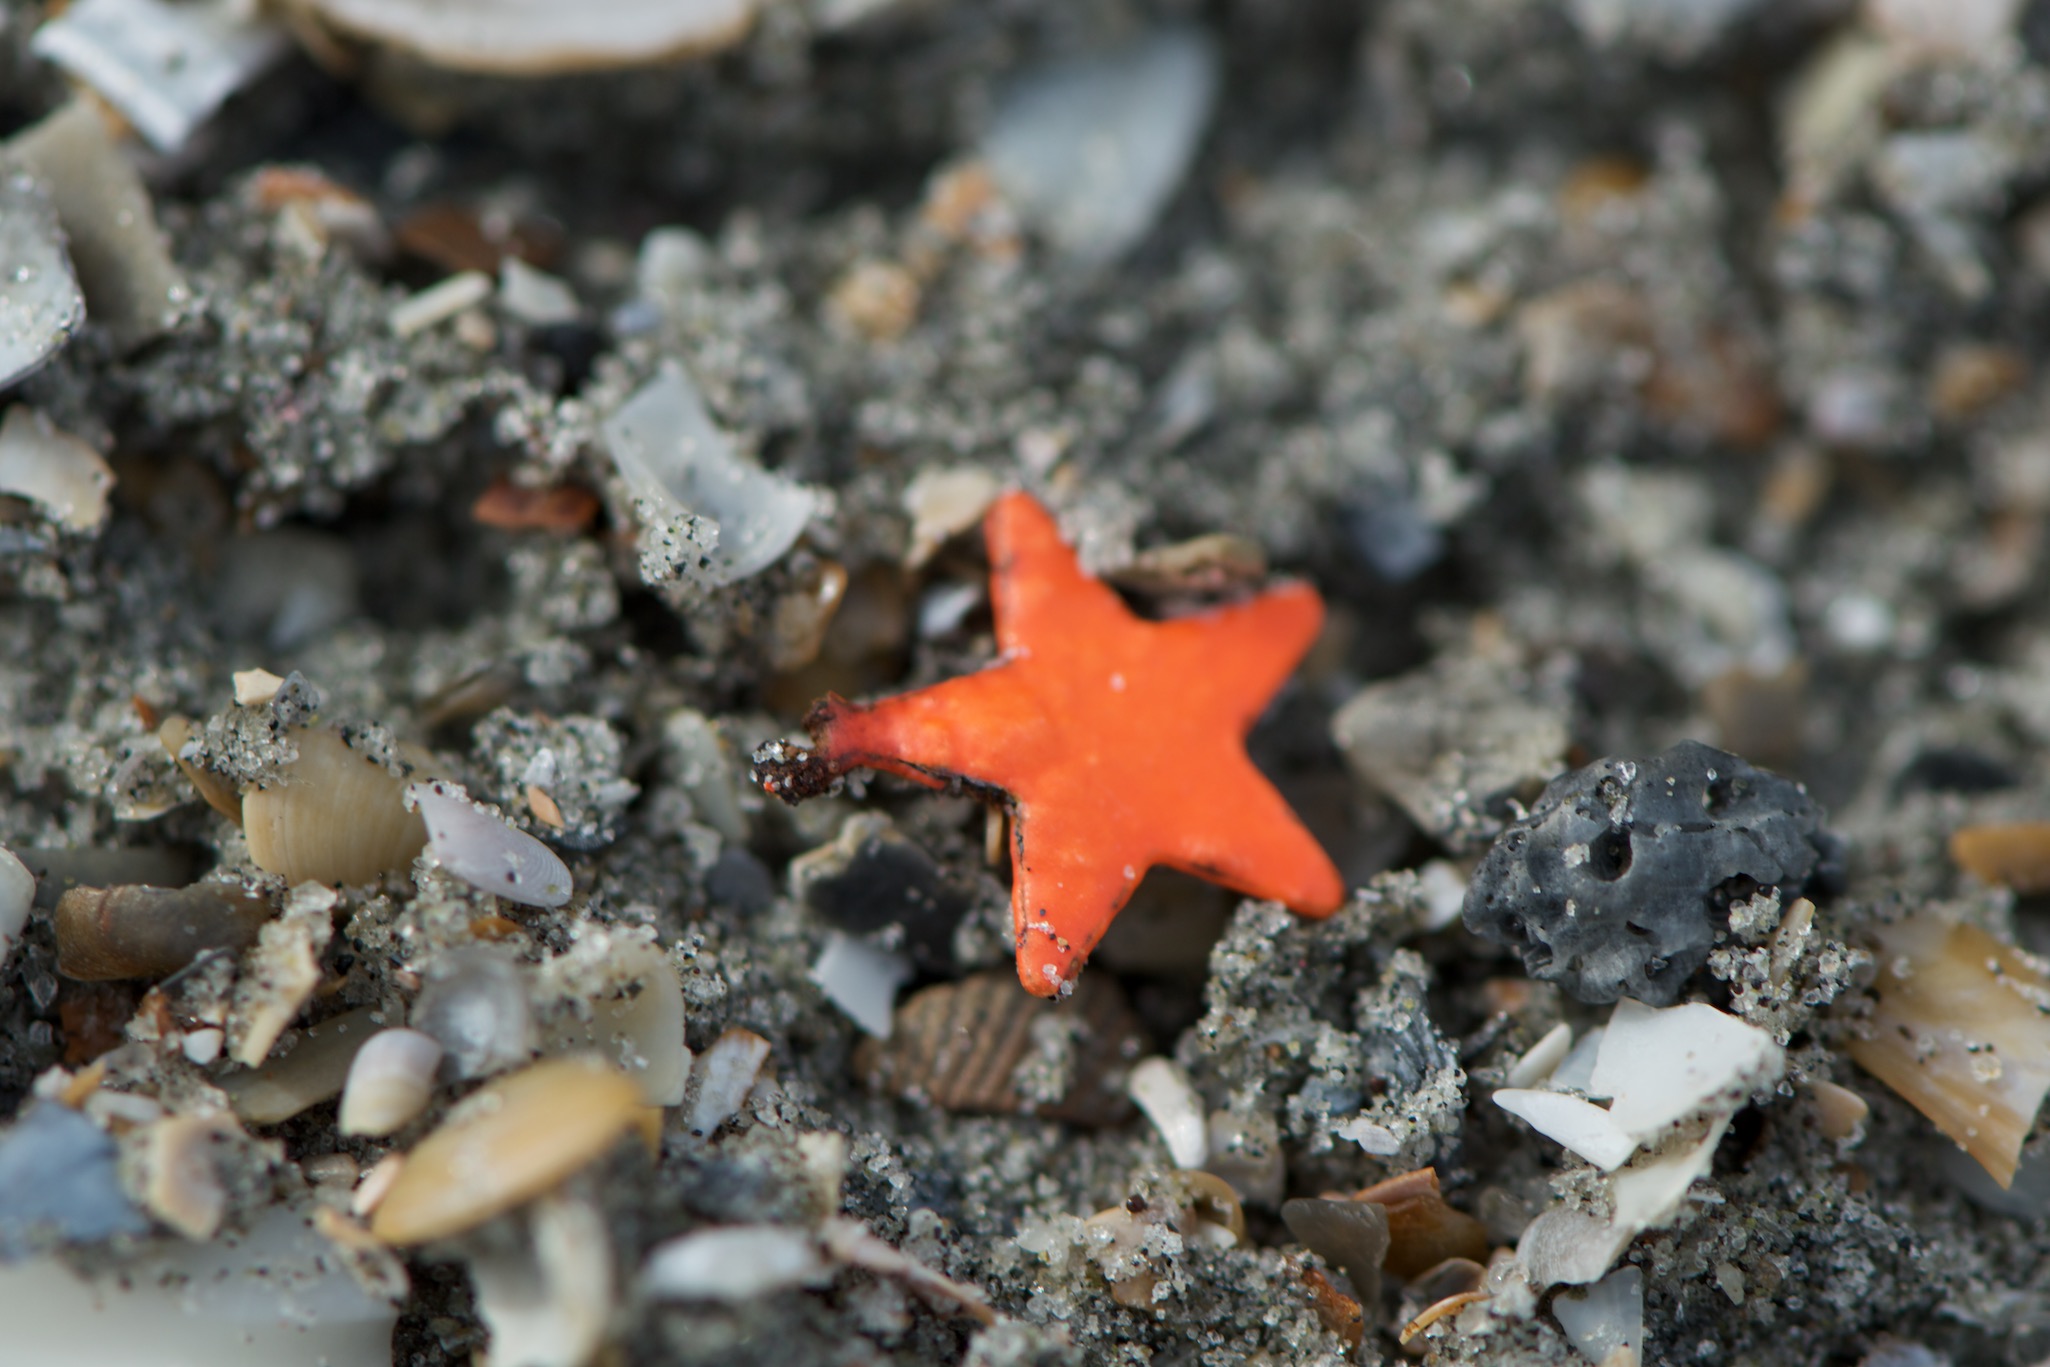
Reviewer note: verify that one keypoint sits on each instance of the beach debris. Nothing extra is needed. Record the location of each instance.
(874, 299)
(132, 287)
(861, 978)
(1622, 876)
(1605, 1321)
(1350, 1235)
(439, 302)
(514, 1139)
(538, 37)
(562, 508)
(1542, 1059)
(391, 1080)
(61, 475)
(279, 975)
(535, 297)
(874, 882)
(475, 1003)
(59, 1184)
(1423, 1228)
(1090, 149)
(1660, 1069)
(546, 1300)
(255, 687)
(627, 1007)
(333, 815)
(1245, 1150)
(723, 1077)
(40, 304)
(983, 1046)
(1453, 742)
(945, 501)
(1163, 1092)
(735, 1263)
(17, 895)
(2012, 854)
(145, 932)
(1839, 1111)
(1089, 725)
(313, 1070)
(166, 67)
(1959, 1031)
(681, 468)
(486, 851)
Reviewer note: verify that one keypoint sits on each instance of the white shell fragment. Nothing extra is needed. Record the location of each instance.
(861, 979)
(255, 687)
(943, 503)
(439, 302)
(1090, 150)
(54, 470)
(390, 1082)
(132, 286)
(1163, 1092)
(17, 895)
(735, 1264)
(1543, 1058)
(537, 37)
(280, 973)
(724, 1076)
(1581, 1126)
(485, 852)
(546, 1304)
(167, 67)
(534, 296)
(677, 462)
(40, 305)
(1606, 1321)
(641, 1028)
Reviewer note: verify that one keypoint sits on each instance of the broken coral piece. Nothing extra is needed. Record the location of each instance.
(1117, 744)
(1960, 1031)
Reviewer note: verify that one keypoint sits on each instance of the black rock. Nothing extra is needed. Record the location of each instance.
(1619, 882)
(888, 882)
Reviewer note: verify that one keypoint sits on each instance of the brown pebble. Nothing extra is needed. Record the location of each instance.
(877, 299)
(2012, 854)
(1972, 376)
(514, 1139)
(140, 931)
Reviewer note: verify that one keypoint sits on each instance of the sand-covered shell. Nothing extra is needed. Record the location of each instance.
(639, 1027)
(390, 1082)
(485, 851)
(139, 931)
(333, 816)
(970, 1045)
(516, 1138)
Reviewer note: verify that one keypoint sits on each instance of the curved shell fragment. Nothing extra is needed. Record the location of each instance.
(539, 37)
(485, 852)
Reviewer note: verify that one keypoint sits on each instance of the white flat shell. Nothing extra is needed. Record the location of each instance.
(534, 37)
(40, 305)
(485, 852)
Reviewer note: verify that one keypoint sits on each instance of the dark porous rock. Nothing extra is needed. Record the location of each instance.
(1619, 882)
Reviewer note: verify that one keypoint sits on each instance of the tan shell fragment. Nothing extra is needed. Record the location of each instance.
(2012, 854)
(541, 37)
(140, 931)
(1960, 1031)
(961, 1046)
(280, 974)
(335, 817)
(182, 1183)
(516, 1138)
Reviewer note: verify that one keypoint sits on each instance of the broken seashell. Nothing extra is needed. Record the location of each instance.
(17, 895)
(255, 687)
(1960, 1032)
(391, 1080)
(861, 979)
(2013, 855)
(280, 973)
(219, 794)
(1209, 1210)
(1245, 1150)
(181, 1182)
(485, 851)
(312, 1071)
(640, 1029)
(40, 305)
(547, 1298)
(61, 475)
(736, 1263)
(1163, 1092)
(1350, 1235)
(962, 1047)
(724, 1077)
(850, 1242)
(541, 37)
(1605, 1321)
(514, 1139)
(1423, 1229)
(1438, 1310)
(1336, 1311)
(875, 299)
(334, 816)
(144, 932)
(1839, 1111)
(943, 503)
(1214, 563)
(475, 1004)
(1542, 1059)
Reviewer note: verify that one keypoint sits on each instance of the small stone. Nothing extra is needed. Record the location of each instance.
(877, 299)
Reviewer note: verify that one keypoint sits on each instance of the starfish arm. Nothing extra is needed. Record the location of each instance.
(1252, 842)
(934, 734)
(1038, 592)
(1067, 883)
(1260, 641)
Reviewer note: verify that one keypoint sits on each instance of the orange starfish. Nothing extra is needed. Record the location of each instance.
(1115, 742)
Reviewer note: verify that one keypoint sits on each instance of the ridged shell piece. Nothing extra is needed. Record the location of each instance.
(959, 1045)
(334, 817)
(140, 931)
(390, 1083)
(485, 852)
(516, 1138)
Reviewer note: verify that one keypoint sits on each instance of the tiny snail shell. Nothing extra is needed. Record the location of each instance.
(138, 931)
(336, 817)
(390, 1082)
(485, 852)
